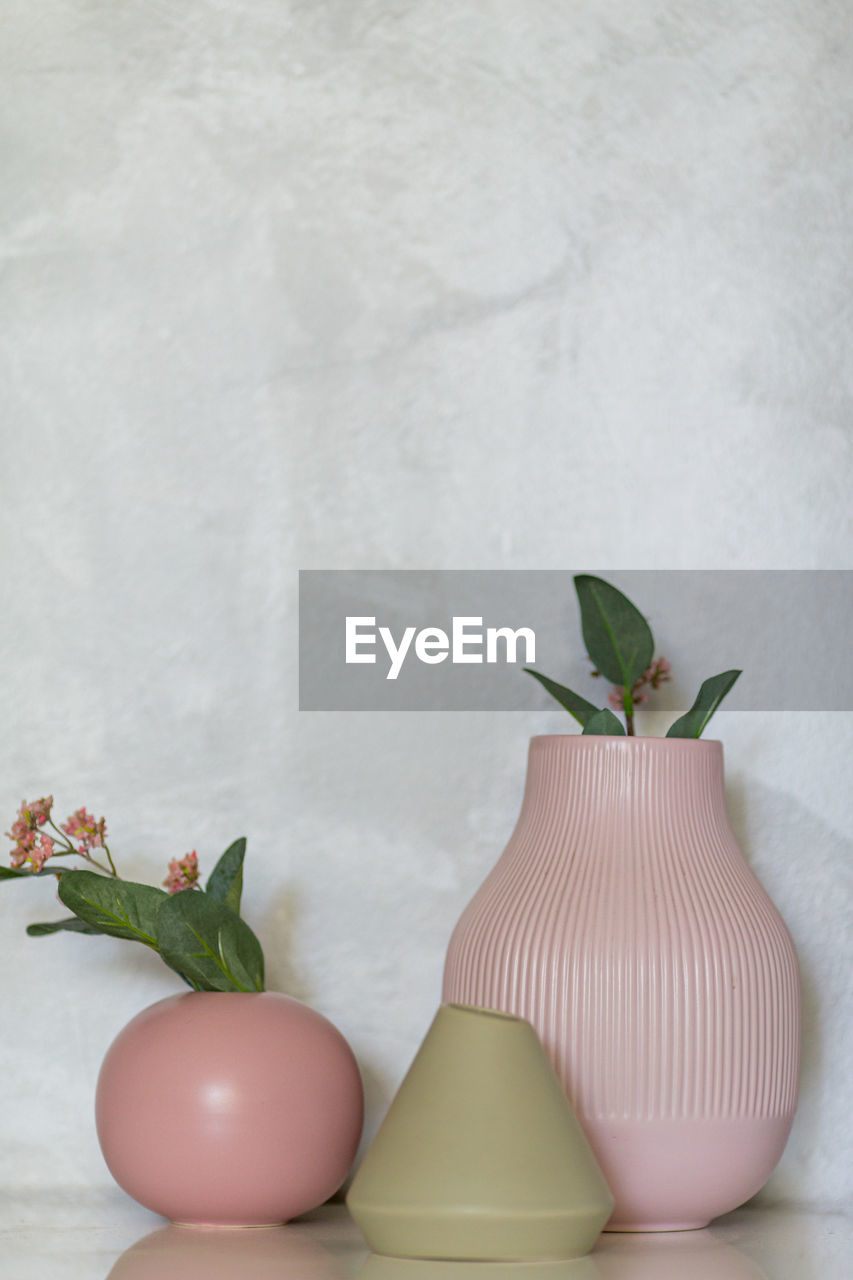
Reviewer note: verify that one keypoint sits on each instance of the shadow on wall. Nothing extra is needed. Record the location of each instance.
(796, 855)
(377, 1091)
(279, 928)
(277, 931)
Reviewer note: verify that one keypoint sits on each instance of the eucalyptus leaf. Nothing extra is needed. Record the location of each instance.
(604, 722)
(709, 697)
(73, 924)
(208, 944)
(120, 908)
(573, 702)
(13, 873)
(617, 637)
(225, 882)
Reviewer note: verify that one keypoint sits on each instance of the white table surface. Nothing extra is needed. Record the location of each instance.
(51, 1236)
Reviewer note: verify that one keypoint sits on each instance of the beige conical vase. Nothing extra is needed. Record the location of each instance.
(480, 1155)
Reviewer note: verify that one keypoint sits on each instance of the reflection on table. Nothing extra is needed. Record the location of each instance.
(289, 1253)
(222, 1253)
(682, 1255)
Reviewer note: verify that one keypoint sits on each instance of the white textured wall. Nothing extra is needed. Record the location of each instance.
(395, 283)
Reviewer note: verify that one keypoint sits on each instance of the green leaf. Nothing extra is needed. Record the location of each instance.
(573, 702)
(604, 722)
(713, 690)
(617, 637)
(225, 882)
(72, 925)
(120, 908)
(208, 944)
(12, 873)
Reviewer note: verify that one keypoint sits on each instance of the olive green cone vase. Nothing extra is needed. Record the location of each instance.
(480, 1155)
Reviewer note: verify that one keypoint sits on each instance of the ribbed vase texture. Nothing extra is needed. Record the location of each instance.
(623, 921)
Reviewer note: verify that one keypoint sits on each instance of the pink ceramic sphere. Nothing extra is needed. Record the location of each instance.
(226, 1109)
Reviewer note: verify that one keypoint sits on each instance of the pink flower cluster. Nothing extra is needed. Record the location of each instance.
(654, 676)
(83, 828)
(31, 844)
(81, 833)
(34, 846)
(183, 873)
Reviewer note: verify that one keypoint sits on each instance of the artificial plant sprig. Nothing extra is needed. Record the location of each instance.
(78, 836)
(197, 931)
(620, 644)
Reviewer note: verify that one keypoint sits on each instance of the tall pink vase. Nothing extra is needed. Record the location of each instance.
(623, 921)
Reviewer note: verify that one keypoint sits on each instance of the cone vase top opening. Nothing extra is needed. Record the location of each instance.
(623, 921)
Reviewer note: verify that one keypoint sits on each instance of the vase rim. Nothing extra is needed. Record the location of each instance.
(670, 743)
(232, 995)
(482, 1011)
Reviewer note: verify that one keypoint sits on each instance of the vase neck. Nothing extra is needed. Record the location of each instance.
(626, 780)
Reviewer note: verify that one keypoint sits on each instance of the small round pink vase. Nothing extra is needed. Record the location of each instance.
(229, 1109)
(623, 921)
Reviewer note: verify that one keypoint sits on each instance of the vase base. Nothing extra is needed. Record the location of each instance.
(674, 1174)
(650, 1228)
(226, 1226)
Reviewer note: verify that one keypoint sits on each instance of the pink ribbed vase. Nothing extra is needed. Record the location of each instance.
(624, 923)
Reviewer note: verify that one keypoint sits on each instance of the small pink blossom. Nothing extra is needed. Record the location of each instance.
(183, 873)
(616, 696)
(658, 673)
(89, 833)
(655, 675)
(40, 810)
(21, 833)
(24, 833)
(41, 852)
(31, 815)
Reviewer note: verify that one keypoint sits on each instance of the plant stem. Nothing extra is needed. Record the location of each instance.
(81, 853)
(99, 865)
(628, 708)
